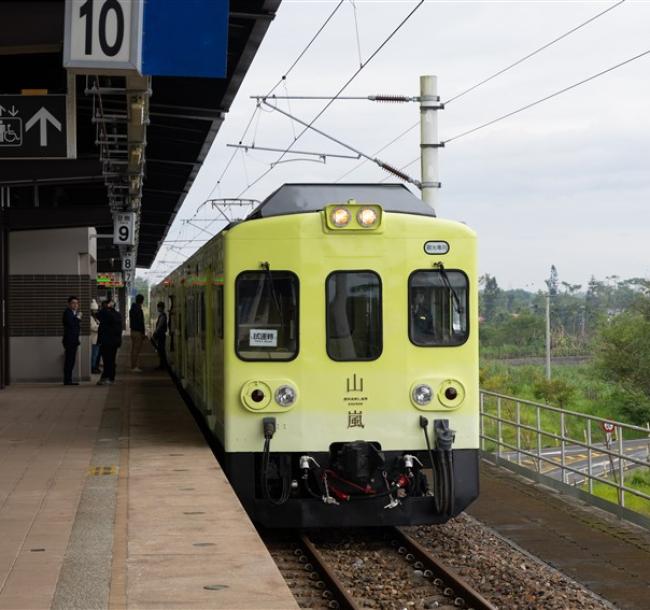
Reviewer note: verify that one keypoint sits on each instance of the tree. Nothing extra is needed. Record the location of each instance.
(552, 282)
(623, 355)
(490, 296)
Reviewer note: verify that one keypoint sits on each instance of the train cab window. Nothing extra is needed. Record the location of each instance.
(353, 315)
(267, 315)
(438, 302)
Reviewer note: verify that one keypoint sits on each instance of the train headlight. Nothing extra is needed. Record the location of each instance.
(340, 217)
(367, 217)
(285, 396)
(422, 394)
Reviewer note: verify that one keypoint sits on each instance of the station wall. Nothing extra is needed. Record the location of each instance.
(45, 268)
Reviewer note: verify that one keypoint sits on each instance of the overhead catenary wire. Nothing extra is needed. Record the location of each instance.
(536, 102)
(343, 88)
(533, 53)
(277, 84)
(492, 77)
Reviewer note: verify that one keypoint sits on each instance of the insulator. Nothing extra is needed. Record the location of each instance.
(391, 98)
(396, 172)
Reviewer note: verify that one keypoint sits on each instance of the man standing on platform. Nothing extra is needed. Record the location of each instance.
(110, 339)
(71, 331)
(136, 324)
(160, 336)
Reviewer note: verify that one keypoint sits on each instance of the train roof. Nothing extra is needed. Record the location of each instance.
(300, 198)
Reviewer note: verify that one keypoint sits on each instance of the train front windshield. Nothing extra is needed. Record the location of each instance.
(438, 303)
(267, 315)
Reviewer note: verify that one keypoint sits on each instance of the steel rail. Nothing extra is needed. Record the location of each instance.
(471, 598)
(331, 580)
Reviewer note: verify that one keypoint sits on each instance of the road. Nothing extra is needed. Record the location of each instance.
(576, 457)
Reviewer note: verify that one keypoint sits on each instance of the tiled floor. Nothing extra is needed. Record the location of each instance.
(155, 524)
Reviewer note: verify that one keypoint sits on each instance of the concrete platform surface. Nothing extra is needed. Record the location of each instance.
(110, 498)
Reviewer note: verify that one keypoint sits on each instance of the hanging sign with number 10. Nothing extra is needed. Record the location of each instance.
(123, 228)
(103, 34)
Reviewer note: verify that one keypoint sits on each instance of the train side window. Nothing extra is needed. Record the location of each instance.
(266, 315)
(354, 315)
(218, 311)
(438, 308)
(202, 318)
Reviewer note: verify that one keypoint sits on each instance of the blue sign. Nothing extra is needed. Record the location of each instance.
(185, 38)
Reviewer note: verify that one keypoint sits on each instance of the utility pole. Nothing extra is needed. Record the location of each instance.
(429, 144)
(548, 335)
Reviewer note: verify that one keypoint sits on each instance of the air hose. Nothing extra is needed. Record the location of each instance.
(269, 431)
(442, 464)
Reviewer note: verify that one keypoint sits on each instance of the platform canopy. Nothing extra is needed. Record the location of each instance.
(183, 116)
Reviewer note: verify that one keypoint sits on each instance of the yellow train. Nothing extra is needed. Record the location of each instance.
(330, 341)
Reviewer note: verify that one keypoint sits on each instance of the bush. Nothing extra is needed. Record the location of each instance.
(553, 391)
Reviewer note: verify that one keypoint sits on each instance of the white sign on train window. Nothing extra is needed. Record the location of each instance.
(103, 34)
(263, 337)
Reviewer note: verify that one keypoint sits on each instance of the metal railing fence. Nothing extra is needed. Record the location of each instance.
(545, 438)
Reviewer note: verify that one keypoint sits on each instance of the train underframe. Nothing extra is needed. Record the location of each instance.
(354, 485)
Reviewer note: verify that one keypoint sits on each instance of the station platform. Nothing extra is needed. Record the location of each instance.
(111, 498)
(609, 556)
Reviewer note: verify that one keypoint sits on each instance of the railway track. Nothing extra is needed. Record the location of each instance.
(383, 569)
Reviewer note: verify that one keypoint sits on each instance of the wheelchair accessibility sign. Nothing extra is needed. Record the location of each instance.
(11, 132)
(34, 126)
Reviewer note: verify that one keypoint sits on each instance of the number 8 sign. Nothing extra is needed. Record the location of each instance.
(123, 228)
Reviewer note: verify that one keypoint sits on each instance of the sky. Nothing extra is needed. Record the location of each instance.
(566, 182)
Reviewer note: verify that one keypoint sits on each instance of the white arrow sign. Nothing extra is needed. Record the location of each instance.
(43, 116)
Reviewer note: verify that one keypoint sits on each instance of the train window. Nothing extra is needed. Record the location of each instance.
(354, 315)
(267, 315)
(438, 301)
(218, 311)
(202, 319)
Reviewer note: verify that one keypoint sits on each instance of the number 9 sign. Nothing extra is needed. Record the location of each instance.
(123, 228)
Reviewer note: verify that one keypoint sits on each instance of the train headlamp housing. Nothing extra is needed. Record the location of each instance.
(353, 216)
(437, 394)
(422, 394)
(285, 396)
(269, 395)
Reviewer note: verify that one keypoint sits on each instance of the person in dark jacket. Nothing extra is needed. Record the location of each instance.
(160, 336)
(136, 324)
(71, 330)
(109, 338)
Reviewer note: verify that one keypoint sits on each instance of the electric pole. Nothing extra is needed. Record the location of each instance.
(429, 144)
(548, 335)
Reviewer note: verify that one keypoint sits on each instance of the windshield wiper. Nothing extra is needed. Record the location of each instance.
(274, 295)
(445, 278)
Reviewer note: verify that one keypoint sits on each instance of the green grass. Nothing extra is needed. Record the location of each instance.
(638, 479)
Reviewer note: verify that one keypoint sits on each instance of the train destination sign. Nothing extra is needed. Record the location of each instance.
(35, 126)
